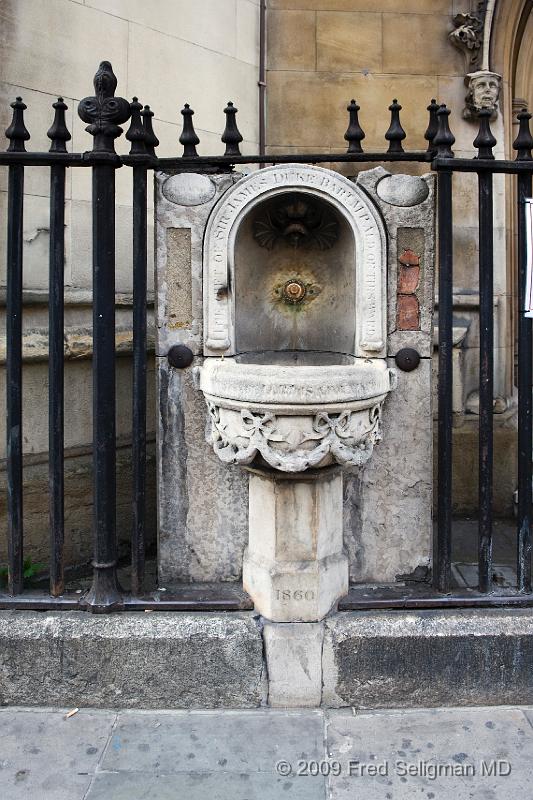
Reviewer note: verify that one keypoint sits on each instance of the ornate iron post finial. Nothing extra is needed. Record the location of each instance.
(150, 139)
(485, 140)
(17, 132)
(231, 136)
(104, 111)
(188, 137)
(58, 131)
(136, 133)
(396, 133)
(433, 125)
(444, 138)
(523, 143)
(355, 134)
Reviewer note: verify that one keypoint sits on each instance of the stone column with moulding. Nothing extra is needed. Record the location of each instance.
(295, 566)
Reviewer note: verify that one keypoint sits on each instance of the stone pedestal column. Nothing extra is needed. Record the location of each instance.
(295, 567)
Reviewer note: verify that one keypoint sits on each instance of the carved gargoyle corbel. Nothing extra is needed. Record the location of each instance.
(467, 36)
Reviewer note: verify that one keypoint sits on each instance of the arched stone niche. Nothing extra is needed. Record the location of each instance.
(347, 201)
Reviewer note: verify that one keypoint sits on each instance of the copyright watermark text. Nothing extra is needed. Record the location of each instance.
(431, 770)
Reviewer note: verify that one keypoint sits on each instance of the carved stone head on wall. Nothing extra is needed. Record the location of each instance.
(483, 92)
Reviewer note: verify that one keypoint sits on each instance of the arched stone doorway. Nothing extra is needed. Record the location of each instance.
(511, 55)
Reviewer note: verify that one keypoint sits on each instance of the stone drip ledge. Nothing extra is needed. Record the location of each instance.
(363, 660)
(73, 297)
(77, 343)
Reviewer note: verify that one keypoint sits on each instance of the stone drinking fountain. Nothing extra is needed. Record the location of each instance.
(306, 301)
(295, 376)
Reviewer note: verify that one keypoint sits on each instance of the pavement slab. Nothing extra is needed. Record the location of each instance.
(205, 786)
(483, 753)
(438, 754)
(240, 741)
(44, 756)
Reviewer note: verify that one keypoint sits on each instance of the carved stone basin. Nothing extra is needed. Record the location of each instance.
(295, 410)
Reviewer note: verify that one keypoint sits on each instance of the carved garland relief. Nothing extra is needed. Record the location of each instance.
(332, 436)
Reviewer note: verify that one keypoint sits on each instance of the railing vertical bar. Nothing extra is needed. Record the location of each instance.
(14, 378)
(56, 379)
(104, 594)
(486, 379)
(139, 376)
(525, 388)
(104, 112)
(442, 566)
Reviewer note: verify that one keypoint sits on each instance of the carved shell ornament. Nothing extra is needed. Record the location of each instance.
(299, 222)
(258, 434)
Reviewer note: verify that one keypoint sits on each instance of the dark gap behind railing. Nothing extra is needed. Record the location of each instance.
(104, 113)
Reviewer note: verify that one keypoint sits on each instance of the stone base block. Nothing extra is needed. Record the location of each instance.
(428, 658)
(293, 654)
(295, 591)
(399, 659)
(131, 660)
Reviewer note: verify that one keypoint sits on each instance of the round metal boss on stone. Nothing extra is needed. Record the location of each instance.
(180, 356)
(407, 359)
(294, 291)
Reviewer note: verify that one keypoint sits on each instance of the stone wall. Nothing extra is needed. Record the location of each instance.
(321, 53)
(324, 52)
(167, 53)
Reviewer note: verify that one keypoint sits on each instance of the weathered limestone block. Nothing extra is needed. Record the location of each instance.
(183, 205)
(428, 658)
(203, 504)
(131, 660)
(293, 653)
(388, 504)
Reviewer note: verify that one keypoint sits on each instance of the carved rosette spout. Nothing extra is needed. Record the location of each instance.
(298, 222)
(104, 112)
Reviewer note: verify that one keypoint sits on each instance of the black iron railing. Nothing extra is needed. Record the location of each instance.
(104, 114)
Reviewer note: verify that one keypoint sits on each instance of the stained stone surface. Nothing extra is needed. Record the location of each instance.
(293, 654)
(426, 658)
(203, 504)
(131, 660)
(388, 504)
